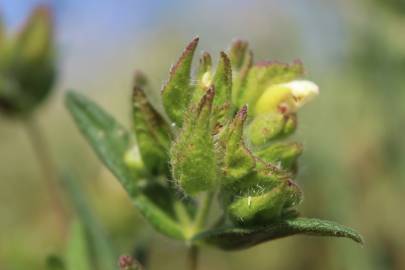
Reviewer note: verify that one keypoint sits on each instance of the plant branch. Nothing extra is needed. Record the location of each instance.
(49, 171)
(192, 258)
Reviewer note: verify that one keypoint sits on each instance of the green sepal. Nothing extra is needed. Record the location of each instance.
(237, 53)
(223, 81)
(177, 92)
(241, 60)
(111, 141)
(262, 75)
(284, 155)
(265, 128)
(204, 78)
(205, 65)
(237, 238)
(152, 133)
(193, 160)
(237, 160)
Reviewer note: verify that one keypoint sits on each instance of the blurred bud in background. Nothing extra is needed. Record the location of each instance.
(27, 64)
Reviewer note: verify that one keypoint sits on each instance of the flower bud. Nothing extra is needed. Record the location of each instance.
(286, 97)
(237, 159)
(263, 75)
(265, 206)
(265, 128)
(27, 65)
(284, 155)
(126, 262)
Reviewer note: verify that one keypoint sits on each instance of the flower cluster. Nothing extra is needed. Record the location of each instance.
(228, 131)
(223, 135)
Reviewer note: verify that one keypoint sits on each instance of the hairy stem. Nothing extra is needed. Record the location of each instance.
(192, 258)
(49, 171)
(197, 225)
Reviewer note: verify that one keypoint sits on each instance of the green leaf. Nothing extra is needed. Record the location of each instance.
(177, 92)
(236, 238)
(160, 220)
(77, 253)
(98, 243)
(111, 141)
(106, 136)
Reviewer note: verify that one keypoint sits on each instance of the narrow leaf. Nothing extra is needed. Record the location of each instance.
(157, 218)
(111, 141)
(106, 136)
(77, 253)
(98, 242)
(236, 238)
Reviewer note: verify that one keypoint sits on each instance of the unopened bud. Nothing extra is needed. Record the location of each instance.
(286, 97)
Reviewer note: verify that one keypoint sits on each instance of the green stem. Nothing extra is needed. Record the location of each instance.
(49, 171)
(181, 213)
(196, 226)
(201, 216)
(192, 258)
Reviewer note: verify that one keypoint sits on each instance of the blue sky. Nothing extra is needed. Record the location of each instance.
(92, 34)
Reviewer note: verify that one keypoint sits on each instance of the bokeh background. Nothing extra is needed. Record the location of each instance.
(353, 167)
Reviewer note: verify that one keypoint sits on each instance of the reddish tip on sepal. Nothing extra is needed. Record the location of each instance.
(189, 50)
(242, 114)
(207, 99)
(139, 78)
